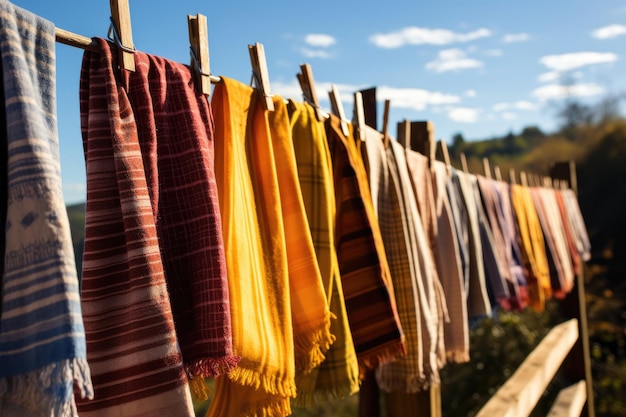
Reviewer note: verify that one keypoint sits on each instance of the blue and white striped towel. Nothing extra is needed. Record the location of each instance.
(42, 340)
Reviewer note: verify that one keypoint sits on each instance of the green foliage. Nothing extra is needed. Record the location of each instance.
(498, 346)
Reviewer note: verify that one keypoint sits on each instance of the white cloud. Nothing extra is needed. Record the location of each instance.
(517, 105)
(452, 59)
(610, 31)
(470, 93)
(566, 62)
(557, 91)
(501, 107)
(418, 36)
(315, 53)
(546, 77)
(464, 114)
(524, 105)
(493, 52)
(508, 115)
(319, 40)
(515, 37)
(415, 98)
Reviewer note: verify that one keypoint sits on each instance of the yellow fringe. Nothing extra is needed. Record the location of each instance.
(311, 347)
(271, 384)
(199, 389)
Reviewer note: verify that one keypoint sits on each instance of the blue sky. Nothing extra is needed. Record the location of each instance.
(482, 68)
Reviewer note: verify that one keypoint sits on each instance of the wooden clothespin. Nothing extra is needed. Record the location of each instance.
(512, 179)
(199, 49)
(359, 115)
(260, 73)
(122, 33)
(404, 133)
(444, 154)
(386, 123)
(464, 163)
(523, 179)
(496, 173)
(487, 169)
(307, 84)
(336, 107)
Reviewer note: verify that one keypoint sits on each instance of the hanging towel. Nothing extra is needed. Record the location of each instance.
(511, 234)
(363, 264)
(497, 288)
(310, 313)
(256, 258)
(577, 223)
(407, 374)
(532, 247)
(568, 234)
(42, 338)
(154, 278)
(557, 273)
(338, 375)
(502, 246)
(456, 330)
(547, 197)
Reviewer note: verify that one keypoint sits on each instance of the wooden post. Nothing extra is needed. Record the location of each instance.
(423, 138)
(369, 106)
(578, 364)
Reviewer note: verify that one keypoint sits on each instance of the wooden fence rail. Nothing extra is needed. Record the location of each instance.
(521, 392)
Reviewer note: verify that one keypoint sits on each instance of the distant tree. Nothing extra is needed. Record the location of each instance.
(532, 132)
(458, 139)
(573, 114)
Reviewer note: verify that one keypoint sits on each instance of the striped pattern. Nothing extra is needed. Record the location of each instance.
(497, 288)
(42, 339)
(338, 375)
(367, 284)
(456, 332)
(133, 350)
(256, 258)
(478, 305)
(577, 223)
(511, 233)
(407, 374)
(502, 246)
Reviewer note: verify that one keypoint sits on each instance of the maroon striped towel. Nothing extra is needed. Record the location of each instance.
(154, 276)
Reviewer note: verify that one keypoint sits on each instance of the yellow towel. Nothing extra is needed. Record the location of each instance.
(338, 375)
(310, 312)
(255, 248)
(532, 247)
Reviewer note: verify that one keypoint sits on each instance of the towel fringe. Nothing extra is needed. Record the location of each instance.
(209, 367)
(324, 395)
(272, 384)
(384, 354)
(311, 347)
(49, 390)
(458, 356)
(409, 384)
